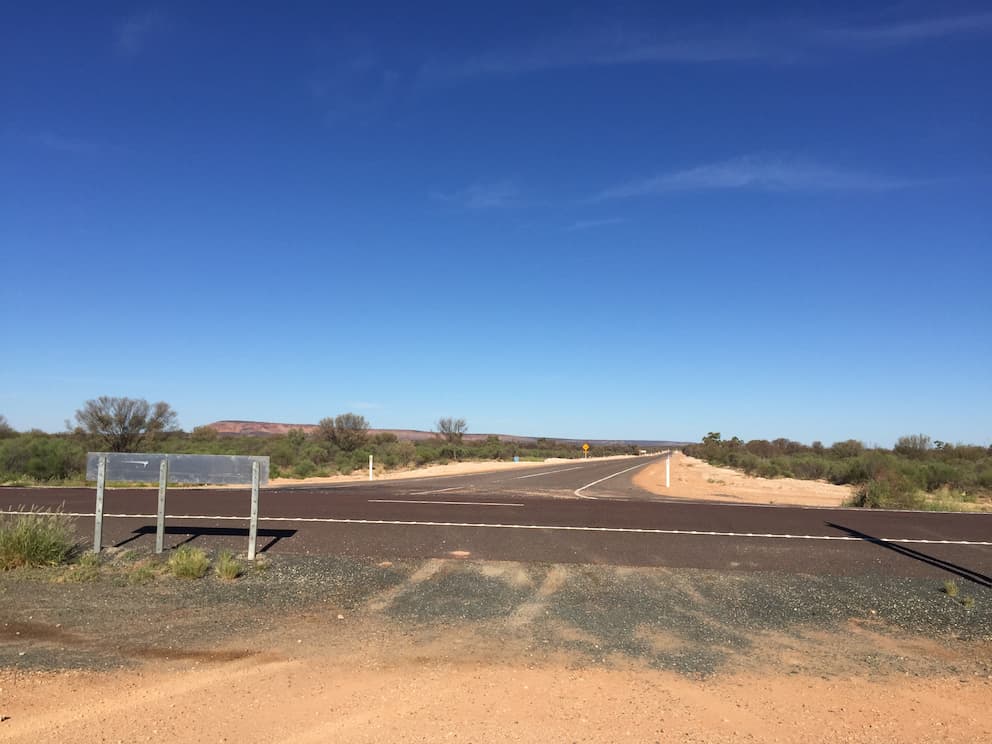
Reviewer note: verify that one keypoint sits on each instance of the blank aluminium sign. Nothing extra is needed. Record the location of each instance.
(143, 467)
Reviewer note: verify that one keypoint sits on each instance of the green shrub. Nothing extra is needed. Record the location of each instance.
(189, 563)
(304, 469)
(46, 539)
(890, 490)
(41, 457)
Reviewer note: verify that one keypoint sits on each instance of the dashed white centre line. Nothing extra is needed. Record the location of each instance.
(550, 472)
(453, 503)
(442, 490)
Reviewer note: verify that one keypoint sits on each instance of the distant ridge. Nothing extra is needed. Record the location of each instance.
(234, 428)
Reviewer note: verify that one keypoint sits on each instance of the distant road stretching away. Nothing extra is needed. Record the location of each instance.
(569, 512)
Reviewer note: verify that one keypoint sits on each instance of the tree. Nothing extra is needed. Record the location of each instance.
(452, 429)
(913, 445)
(349, 431)
(6, 430)
(122, 424)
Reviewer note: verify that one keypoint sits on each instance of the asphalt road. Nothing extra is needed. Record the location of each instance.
(582, 512)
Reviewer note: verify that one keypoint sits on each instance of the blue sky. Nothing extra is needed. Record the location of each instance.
(605, 220)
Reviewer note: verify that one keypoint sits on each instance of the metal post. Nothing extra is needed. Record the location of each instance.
(163, 479)
(668, 470)
(370, 467)
(101, 480)
(253, 525)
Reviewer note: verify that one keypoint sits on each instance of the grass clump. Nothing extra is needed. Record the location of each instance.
(968, 602)
(38, 539)
(228, 567)
(951, 588)
(143, 573)
(189, 563)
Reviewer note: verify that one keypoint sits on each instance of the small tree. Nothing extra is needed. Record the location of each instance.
(452, 429)
(122, 424)
(349, 432)
(913, 445)
(6, 430)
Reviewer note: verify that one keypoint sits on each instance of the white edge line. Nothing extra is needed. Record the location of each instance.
(549, 472)
(561, 528)
(578, 491)
(456, 503)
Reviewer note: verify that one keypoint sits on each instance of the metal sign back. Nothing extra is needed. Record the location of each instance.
(207, 469)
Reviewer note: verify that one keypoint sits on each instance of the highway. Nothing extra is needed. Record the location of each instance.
(569, 512)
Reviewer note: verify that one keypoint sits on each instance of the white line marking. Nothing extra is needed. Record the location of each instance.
(442, 490)
(458, 503)
(561, 528)
(578, 491)
(550, 472)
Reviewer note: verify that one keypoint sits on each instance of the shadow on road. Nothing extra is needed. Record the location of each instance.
(192, 533)
(961, 571)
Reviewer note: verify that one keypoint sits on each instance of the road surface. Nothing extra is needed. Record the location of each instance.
(571, 512)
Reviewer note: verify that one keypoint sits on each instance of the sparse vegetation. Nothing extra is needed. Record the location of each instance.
(340, 444)
(918, 473)
(143, 573)
(87, 568)
(951, 588)
(189, 563)
(228, 567)
(41, 539)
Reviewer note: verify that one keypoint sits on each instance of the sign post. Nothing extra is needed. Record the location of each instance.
(253, 525)
(101, 481)
(585, 451)
(163, 480)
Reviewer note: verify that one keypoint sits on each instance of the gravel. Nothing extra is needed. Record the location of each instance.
(693, 622)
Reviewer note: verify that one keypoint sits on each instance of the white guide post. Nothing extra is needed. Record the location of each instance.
(101, 480)
(253, 524)
(370, 467)
(668, 469)
(163, 479)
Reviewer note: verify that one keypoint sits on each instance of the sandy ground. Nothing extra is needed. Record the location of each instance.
(333, 650)
(697, 480)
(408, 693)
(431, 471)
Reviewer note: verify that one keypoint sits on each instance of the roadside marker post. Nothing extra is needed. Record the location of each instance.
(101, 481)
(668, 469)
(370, 467)
(163, 480)
(253, 525)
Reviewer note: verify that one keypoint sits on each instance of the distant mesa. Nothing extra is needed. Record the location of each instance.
(271, 429)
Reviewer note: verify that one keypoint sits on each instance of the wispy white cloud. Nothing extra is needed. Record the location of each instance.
(911, 31)
(495, 195)
(60, 143)
(590, 224)
(591, 50)
(772, 41)
(131, 34)
(756, 174)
